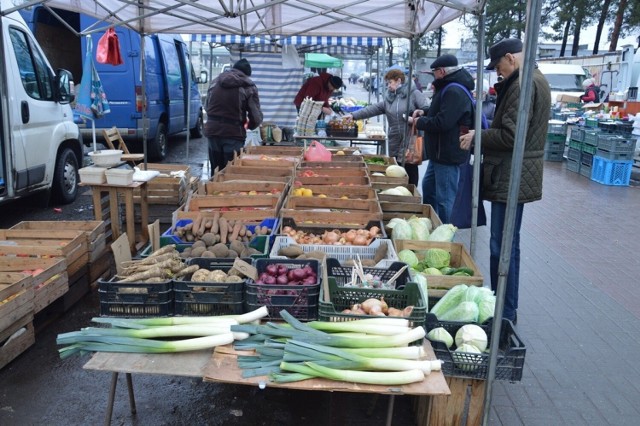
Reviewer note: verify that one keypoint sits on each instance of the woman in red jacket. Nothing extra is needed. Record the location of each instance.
(590, 91)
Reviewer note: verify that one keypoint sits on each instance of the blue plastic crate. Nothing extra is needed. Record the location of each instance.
(611, 172)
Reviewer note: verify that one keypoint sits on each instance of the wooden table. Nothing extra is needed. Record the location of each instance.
(221, 366)
(361, 139)
(127, 192)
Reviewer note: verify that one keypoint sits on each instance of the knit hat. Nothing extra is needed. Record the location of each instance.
(445, 61)
(501, 48)
(588, 82)
(335, 81)
(244, 66)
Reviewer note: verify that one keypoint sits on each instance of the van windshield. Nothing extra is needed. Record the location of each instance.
(565, 82)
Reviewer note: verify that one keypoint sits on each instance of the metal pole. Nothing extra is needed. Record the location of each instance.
(477, 151)
(188, 96)
(143, 80)
(524, 105)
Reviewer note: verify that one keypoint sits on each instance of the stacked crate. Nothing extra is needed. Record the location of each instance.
(613, 155)
(574, 154)
(556, 138)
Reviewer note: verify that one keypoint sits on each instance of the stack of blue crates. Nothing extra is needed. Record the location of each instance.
(556, 138)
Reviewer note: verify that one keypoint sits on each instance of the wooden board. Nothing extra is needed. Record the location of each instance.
(332, 180)
(68, 244)
(260, 171)
(231, 188)
(9, 350)
(386, 179)
(16, 297)
(439, 284)
(336, 205)
(185, 364)
(266, 161)
(466, 401)
(274, 150)
(210, 202)
(331, 170)
(223, 367)
(49, 291)
(406, 210)
(333, 165)
(225, 176)
(362, 192)
(92, 228)
(307, 217)
(414, 198)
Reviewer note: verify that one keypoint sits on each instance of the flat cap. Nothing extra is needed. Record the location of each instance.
(444, 61)
(501, 48)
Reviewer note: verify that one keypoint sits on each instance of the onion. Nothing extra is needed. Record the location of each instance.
(374, 231)
(393, 312)
(308, 270)
(406, 312)
(384, 305)
(330, 237)
(272, 269)
(269, 279)
(282, 269)
(287, 229)
(368, 304)
(360, 240)
(350, 235)
(311, 279)
(282, 279)
(299, 274)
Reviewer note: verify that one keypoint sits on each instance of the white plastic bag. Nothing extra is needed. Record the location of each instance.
(253, 138)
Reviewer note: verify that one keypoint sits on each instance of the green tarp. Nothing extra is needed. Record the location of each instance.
(321, 60)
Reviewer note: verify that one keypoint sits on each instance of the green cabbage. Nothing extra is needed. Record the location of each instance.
(471, 294)
(401, 231)
(464, 312)
(432, 271)
(440, 334)
(409, 257)
(419, 230)
(450, 300)
(437, 258)
(443, 233)
(425, 220)
(486, 308)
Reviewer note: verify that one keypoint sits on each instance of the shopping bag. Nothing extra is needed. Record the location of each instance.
(317, 152)
(99, 104)
(108, 51)
(413, 154)
(461, 211)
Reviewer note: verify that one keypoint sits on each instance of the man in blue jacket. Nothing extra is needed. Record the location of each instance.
(450, 114)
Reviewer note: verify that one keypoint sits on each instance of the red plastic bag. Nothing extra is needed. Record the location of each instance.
(108, 51)
(317, 152)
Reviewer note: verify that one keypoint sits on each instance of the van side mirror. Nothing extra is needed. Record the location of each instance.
(204, 77)
(65, 86)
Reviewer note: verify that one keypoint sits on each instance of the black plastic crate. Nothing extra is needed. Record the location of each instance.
(135, 299)
(342, 274)
(301, 301)
(209, 298)
(511, 353)
(341, 298)
(344, 133)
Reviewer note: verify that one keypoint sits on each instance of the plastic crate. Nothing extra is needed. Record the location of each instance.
(625, 128)
(616, 143)
(342, 253)
(556, 128)
(301, 301)
(319, 230)
(614, 155)
(341, 298)
(586, 160)
(135, 299)
(585, 171)
(573, 166)
(611, 172)
(551, 145)
(577, 134)
(574, 154)
(553, 155)
(591, 122)
(342, 274)
(208, 298)
(510, 360)
(352, 132)
(588, 149)
(591, 136)
(608, 126)
(576, 144)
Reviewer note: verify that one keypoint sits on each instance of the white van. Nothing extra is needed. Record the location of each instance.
(40, 146)
(564, 79)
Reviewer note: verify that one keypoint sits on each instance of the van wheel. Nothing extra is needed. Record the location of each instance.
(158, 147)
(65, 177)
(197, 131)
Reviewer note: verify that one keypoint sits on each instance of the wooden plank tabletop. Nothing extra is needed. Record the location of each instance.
(187, 364)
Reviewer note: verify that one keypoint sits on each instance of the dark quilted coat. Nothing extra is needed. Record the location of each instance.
(498, 141)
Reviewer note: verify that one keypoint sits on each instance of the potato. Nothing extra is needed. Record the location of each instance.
(208, 239)
(199, 243)
(248, 251)
(236, 246)
(220, 250)
(197, 252)
(208, 253)
(291, 251)
(232, 254)
(316, 255)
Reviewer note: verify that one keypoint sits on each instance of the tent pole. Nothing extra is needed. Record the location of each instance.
(524, 106)
(143, 65)
(188, 96)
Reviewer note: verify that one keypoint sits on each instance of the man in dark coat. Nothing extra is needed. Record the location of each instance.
(232, 106)
(319, 88)
(498, 143)
(450, 113)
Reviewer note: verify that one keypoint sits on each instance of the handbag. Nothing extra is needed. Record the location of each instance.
(413, 154)
(108, 51)
(461, 211)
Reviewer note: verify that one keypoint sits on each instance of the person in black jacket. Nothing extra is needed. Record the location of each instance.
(450, 114)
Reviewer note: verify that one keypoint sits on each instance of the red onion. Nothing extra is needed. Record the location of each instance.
(308, 270)
(311, 279)
(299, 274)
(269, 279)
(272, 269)
(282, 279)
(282, 269)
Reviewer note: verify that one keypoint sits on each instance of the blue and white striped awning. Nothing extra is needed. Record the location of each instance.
(295, 40)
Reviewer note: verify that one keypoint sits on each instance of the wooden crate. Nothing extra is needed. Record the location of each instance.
(72, 245)
(415, 198)
(333, 164)
(18, 344)
(237, 202)
(465, 403)
(328, 219)
(242, 177)
(387, 179)
(333, 180)
(336, 205)
(95, 230)
(259, 171)
(324, 171)
(354, 192)
(460, 257)
(274, 150)
(16, 298)
(170, 187)
(381, 168)
(48, 285)
(244, 188)
(406, 210)
(266, 161)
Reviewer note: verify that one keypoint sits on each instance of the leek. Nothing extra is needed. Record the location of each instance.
(371, 342)
(228, 319)
(355, 326)
(353, 376)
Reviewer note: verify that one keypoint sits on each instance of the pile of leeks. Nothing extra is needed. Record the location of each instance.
(372, 351)
(140, 335)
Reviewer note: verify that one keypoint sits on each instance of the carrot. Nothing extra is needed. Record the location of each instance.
(224, 230)
(236, 231)
(243, 230)
(196, 223)
(214, 224)
(200, 231)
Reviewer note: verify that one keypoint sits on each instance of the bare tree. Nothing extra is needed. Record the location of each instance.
(604, 13)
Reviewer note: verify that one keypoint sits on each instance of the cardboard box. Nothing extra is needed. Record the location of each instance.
(568, 99)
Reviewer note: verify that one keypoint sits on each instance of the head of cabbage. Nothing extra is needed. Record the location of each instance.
(409, 257)
(402, 231)
(437, 258)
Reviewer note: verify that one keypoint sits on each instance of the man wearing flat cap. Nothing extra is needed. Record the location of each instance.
(232, 106)
(498, 143)
(451, 112)
(319, 88)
